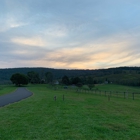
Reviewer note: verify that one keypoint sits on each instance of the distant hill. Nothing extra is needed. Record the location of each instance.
(5, 74)
(119, 75)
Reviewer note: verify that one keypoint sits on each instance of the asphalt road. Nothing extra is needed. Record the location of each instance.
(19, 94)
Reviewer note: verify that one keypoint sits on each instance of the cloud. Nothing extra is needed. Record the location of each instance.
(69, 34)
(9, 22)
(34, 41)
(102, 53)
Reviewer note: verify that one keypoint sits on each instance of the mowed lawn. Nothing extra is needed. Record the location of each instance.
(81, 116)
(4, 89)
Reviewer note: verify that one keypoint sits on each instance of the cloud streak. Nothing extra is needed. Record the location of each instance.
(69, 34)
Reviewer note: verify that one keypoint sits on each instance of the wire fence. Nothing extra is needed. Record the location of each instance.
(109, 94)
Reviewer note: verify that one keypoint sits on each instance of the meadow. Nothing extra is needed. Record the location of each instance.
(74, 115)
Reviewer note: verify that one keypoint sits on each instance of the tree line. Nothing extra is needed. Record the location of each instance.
(121, 75)
(33, 77)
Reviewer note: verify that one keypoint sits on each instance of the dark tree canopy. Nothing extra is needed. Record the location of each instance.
(49, 77)
(33, 77)
(65, 80)
(76, 80)
(90, 80)
(19, 79)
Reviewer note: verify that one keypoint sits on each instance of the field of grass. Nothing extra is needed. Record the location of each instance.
(4, 89)
(112, 90)
(81, 116)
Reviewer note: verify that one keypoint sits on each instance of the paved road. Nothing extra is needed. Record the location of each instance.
(19, 94)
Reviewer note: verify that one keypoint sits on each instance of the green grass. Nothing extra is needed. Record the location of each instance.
(114, 88)
(4, 89)
(81, 116)
(121, 88)
(118, 91)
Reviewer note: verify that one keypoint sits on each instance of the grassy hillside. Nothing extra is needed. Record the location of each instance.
(81, 116)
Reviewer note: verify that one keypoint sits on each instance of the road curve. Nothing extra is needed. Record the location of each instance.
(19, 94)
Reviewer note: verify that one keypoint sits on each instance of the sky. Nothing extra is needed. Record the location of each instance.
(69, 34)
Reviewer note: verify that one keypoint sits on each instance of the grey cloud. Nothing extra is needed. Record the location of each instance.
(68, 24)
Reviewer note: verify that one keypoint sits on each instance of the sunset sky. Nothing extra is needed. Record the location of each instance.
(70, 34)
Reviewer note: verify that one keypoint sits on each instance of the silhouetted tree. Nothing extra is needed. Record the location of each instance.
(49, 77)
(65, 80)
(19, 79)
(76, 80)
(33, 77)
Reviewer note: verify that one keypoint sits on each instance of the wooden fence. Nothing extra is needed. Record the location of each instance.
(109, 94)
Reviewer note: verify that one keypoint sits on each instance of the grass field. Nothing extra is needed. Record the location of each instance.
(119, 91)
(4, 89)
(81, 116)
